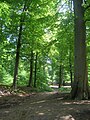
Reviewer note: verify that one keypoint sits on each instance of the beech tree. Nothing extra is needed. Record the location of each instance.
(22, 19)
(80, 85)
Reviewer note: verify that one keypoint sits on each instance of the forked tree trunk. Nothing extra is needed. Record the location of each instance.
(80, 85)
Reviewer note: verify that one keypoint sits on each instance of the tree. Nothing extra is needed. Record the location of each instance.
(80, 84)
(19, 44)
(44, 27)
(35, 72)
(31, 69)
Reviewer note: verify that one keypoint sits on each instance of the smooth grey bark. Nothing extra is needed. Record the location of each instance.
(80, 84)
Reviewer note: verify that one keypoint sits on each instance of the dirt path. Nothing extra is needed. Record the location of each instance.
(43, 106)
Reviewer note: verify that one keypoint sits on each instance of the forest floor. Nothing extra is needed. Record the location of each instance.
(42, 106)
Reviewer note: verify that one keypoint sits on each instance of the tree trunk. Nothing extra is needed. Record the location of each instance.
(80, 84)
(70, 66)
(31, 70)
(60, 76)
(17, 56)
(18, 49)
(71, 74)
(35, 79)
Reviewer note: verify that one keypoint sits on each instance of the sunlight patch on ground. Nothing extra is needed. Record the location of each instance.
(40, 113)
(43, 101)
(68, 117)
(78, 102)
(7, 111)
(54, 86)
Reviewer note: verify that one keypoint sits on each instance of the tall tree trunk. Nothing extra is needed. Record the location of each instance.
(60, 76)
(35, 77)
(52, 74)
(71, 74)
(18, 48)
(80, 85)
(31, 69)
(70, 66)
(17, 56)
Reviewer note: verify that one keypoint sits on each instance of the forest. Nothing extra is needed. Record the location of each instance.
(45, 43)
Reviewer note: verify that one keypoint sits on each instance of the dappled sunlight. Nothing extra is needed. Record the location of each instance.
(4, 93)
(82, 102)
(54, 86)
(7, 111)
(77, 102)
(44, 59)
(51, 106)
(41, 114)
(37, 102)
(67, 103)
(61, 98)
(40, 106)
(68, 117)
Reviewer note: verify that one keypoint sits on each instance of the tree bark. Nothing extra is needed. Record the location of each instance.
(60, 76)
(80, 84)
(17, 56)
(70, 66)
(35, 77)
(31, 70)
(18, 48)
